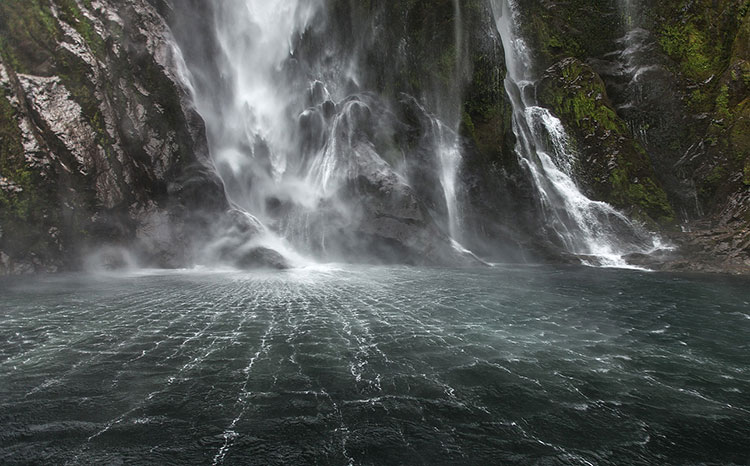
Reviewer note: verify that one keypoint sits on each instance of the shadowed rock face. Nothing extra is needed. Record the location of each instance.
(102, 144)
(384, 219)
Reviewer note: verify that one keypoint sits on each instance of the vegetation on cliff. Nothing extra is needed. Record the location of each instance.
(612, 165)
(94, 129)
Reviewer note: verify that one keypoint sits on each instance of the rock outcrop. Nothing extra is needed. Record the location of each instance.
(100, 142)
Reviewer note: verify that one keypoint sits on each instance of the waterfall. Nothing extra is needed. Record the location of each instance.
(249, 119)
(448, 145)
(634, 45)
(641, 75)
(629, 12)
(449, 155)
(303, 144)
(589, 229)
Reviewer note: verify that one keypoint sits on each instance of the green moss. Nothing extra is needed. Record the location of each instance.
(11, 145)
(573, 28)
(71, 14)
(446, 66)
(29, 38)
(699, 100)
(580, 97)
(7, 54)
(74, 74)
(722, 102)
(467, 126)
(31, 34)
(617, 169)
(29, 206)
(486, 119)
(29, 43)
(688, 45)
(717, 175)
(644, 197)
(551, 42)
(739, 133)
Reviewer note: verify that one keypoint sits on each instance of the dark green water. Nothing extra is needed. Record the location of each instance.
(511, 365)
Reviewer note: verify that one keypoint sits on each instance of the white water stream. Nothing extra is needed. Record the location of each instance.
(286, 132)
(251, 127)
(590, 229)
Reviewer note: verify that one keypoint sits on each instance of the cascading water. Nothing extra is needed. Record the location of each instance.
(449, 154)
(629, 11)
(250, 124)
(247, 100)
(634, 43)
(302, 146)
(445, 129)
(449, 149)
(589, 229)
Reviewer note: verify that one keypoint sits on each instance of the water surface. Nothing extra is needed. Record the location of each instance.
(376, 365)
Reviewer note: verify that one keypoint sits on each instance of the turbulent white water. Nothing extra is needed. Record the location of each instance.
(288, 133)
(250, 126)
(584, 227)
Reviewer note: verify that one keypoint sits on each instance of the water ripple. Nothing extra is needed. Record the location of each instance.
(375, 365)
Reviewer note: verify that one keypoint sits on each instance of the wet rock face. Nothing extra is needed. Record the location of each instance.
(390, 221)
(675, 73)
(62, 119)
(612, 165)
(101, 144)
(261, 258)
(374, 212)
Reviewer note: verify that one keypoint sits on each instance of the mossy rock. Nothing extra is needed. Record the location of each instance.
(148, 144)
(698, 35)
(571, 28)
(27, 195)
(612, 166)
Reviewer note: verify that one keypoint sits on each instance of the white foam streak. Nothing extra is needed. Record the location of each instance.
(449, 156)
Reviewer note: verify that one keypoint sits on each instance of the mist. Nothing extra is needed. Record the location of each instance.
(313, 150)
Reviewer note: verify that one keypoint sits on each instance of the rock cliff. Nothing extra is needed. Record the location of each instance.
(100, 142)
(102, 149)
(656, 94)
